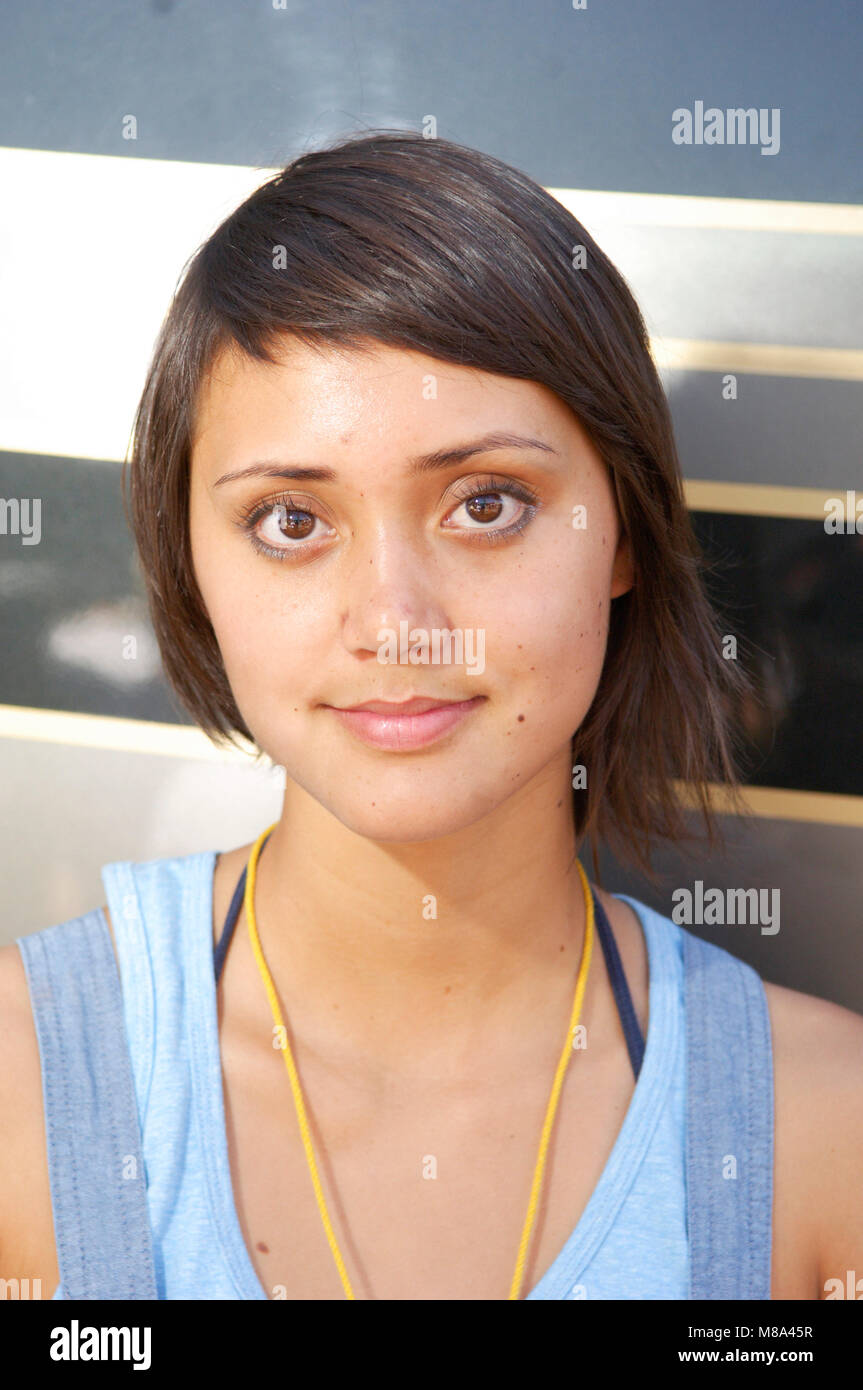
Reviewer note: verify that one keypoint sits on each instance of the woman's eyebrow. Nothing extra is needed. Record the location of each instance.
(443, 458)
(423, 463)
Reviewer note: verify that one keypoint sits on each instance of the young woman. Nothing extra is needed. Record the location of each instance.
(406, 496)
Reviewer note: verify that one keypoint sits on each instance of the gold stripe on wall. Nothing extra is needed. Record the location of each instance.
(762, 499)
(758, 359)
(780, 803)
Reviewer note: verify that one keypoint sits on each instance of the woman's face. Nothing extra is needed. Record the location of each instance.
(498, 564)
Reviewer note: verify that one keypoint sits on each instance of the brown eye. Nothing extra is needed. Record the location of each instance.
(281, 524)
(480, 510)
(282, 529)
(484, 508)
(292, 522)
(492, 509)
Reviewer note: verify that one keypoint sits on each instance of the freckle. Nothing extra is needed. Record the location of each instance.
(563, 948)
(519, 646)
(447, 989)
(521, 719)
(265, 1249)
(533, 668)
(560, 803)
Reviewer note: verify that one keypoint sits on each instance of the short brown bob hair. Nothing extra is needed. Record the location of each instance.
(429, 245)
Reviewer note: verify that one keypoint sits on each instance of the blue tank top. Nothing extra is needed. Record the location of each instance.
(634, 1238)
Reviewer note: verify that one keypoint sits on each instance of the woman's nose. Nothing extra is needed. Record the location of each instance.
(390, 582)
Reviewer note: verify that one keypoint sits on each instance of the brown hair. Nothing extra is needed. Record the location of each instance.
(430, 245)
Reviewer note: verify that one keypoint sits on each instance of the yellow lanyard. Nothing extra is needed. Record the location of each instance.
(581, 981)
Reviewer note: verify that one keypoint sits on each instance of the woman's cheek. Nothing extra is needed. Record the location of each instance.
(562, 646)
(559, 607)
(255, 645)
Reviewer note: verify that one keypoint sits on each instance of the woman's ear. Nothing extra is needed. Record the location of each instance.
(623, 573)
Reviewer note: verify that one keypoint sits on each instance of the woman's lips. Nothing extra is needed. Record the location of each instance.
(401, 727)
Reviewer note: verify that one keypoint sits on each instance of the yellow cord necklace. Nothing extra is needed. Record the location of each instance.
(581, 981)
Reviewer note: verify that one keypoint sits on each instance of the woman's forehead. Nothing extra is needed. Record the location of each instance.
(338, 396)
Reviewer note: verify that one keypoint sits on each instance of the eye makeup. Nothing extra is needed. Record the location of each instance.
(288, 510)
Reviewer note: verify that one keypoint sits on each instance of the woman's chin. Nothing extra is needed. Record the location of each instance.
(391, 823)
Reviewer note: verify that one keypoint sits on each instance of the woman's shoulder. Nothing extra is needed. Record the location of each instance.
(818, 1127)
(818, 1058)
(26, 1220)
(817, 1049)
(27, 1249)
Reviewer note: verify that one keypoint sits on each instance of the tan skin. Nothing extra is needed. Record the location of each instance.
(417, 1037)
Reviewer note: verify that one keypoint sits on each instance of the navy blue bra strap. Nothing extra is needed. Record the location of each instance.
(230, 923)
(622, 997)
(228, 929)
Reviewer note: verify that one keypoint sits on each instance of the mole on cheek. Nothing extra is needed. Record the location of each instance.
(265, 1249)
(521, 719)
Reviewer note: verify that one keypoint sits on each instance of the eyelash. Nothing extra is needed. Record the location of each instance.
(249, 519)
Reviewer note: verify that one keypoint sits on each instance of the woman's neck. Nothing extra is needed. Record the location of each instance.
(423, 951)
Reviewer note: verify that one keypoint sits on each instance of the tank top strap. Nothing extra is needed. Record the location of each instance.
(729, 1124)
(96, 1167)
